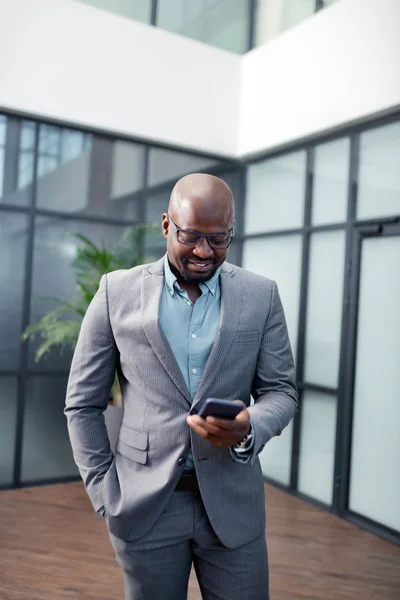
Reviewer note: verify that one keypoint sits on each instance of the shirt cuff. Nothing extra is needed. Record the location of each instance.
(101, 512)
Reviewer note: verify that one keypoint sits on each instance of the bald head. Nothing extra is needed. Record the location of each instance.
(205, 195)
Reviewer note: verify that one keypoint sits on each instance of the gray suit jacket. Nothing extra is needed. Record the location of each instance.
(251, 356)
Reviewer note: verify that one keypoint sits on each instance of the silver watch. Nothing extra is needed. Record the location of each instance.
(245, 440)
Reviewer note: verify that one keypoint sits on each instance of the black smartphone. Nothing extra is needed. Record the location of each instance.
(223, 409)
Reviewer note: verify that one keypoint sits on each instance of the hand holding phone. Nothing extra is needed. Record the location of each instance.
(230, 425)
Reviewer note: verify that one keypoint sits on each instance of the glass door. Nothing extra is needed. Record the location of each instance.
(374, 448)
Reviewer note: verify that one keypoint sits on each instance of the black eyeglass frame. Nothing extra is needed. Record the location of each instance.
(202, 235)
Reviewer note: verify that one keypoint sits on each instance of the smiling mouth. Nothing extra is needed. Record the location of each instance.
(202, 265)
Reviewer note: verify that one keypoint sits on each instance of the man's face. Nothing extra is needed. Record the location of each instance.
(196, 263)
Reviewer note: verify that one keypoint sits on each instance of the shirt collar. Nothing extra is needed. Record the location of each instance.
(171, 281)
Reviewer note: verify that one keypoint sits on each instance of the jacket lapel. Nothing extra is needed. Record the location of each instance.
(152, 285)
(228, 324)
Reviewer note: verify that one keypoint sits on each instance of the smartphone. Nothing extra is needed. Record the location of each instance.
(223, 409)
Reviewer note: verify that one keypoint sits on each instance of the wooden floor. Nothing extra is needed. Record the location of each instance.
(53, 548)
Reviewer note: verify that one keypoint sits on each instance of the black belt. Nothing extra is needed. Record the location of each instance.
(187, 483)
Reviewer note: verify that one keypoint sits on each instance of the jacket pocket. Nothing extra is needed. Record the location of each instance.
(133, 443)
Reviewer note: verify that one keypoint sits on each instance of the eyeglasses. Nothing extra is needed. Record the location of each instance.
(218, 241)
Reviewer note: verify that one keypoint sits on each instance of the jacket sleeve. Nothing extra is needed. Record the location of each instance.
(90, 380)
(274, 385)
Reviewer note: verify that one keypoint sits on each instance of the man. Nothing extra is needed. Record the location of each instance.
(181, 489)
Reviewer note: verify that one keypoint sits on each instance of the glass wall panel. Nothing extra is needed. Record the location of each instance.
(375, 472)
(275, 16)
(54, 250)
(167, 166)
(83, 174)
(8, 421)
(379, 172)
(279, 258)
(17, 143)
(46, 449)
(222, 23)
(3, 129)
(139, 10)
(275, 193)
(13, 239)
(331, 174)
(317, 445)
(276, 458)
(324, 308)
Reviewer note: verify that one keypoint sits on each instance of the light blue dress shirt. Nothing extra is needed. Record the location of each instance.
(191, 330)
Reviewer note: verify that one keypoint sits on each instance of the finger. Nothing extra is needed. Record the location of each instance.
(197, 427)
(205, 424)
(231, 425)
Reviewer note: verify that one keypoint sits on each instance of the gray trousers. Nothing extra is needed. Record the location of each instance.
(157, 567)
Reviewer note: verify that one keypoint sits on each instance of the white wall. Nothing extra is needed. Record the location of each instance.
(69, 61)
(65, 60)
(337, 66)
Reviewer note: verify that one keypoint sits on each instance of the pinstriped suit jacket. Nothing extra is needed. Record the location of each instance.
(251, 356)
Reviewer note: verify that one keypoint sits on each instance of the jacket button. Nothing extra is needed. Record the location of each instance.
(181, 461)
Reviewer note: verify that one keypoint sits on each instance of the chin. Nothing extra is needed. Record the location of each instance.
(197, 277)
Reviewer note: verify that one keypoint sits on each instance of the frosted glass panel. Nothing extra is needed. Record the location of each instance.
(222, 23)
(379, 174)
(275, 193)
(324, 311)
(46, 449)
(279, 258)
(274, 16)
(276, 457)
(8, 421)
(331, 173)
(317, 446)
(139, 10)
(13, 240)
(375, 466)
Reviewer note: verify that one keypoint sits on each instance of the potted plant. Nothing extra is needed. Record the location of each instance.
(60, 326)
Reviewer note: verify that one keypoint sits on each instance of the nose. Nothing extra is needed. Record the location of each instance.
(203, 249)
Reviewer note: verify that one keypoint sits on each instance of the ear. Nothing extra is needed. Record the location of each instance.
(164, 225)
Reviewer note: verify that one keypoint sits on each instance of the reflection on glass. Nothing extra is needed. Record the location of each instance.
(46, 449)
(275, 16)
(331, 174)
(374, 472)
(275, 193)
(13, 239)
(221, 23)
(167, 166)
(17, 142)
(379, 172)
(317, 445)
(139, 10)
(26, 153)
(54, 249)
(84, 174)
(8, 421)
(324, 308)
(57, 146)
